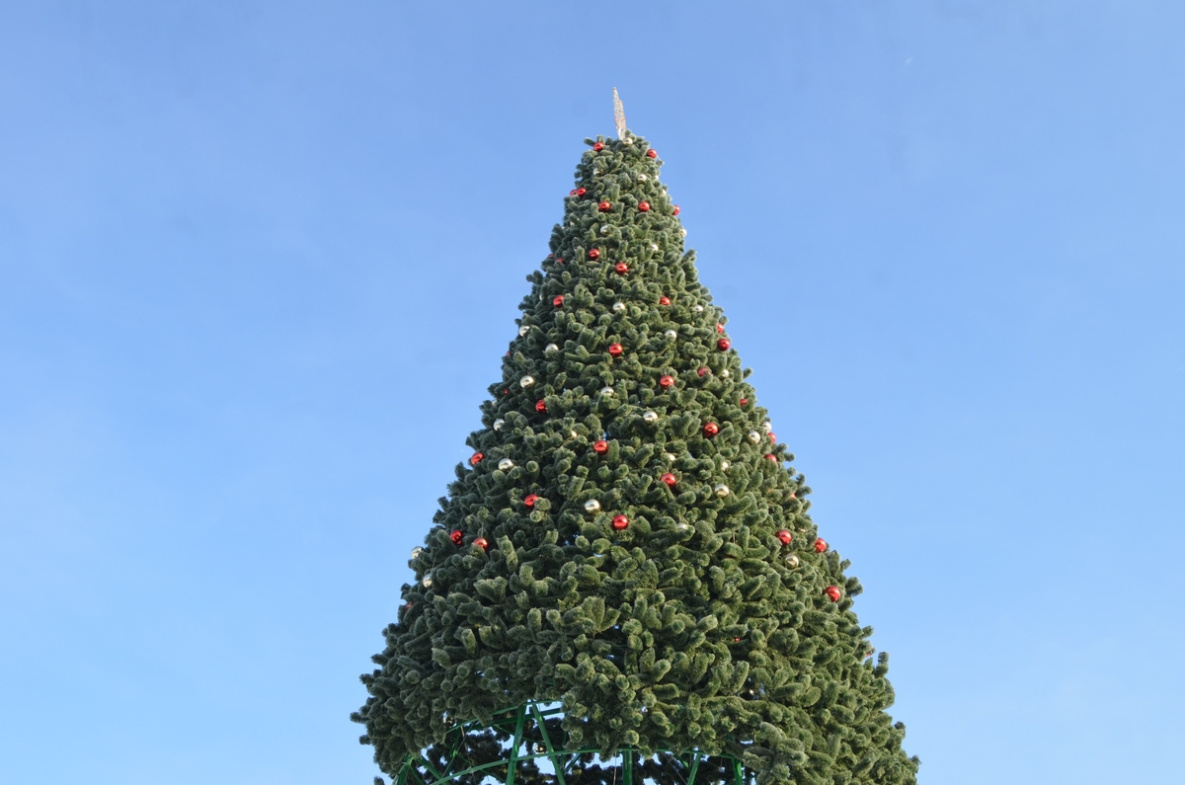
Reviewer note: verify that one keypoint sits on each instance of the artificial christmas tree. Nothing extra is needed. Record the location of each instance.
(624, 582)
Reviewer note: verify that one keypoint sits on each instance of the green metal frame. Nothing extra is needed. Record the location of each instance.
(416, 770)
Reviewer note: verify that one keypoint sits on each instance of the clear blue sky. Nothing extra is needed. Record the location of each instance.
(260, 260)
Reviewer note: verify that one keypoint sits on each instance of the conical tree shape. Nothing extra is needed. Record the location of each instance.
(627, 540)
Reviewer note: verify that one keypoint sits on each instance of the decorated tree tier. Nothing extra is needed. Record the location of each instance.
(623, 581)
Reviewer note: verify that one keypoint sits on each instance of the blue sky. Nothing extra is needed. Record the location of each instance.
(260, 260)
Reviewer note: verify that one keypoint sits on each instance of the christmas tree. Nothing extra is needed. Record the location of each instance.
(623, 580)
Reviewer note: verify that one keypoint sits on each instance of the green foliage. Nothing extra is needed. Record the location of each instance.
(694, 627)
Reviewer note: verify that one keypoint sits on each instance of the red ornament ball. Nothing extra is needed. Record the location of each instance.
(620, 522)
(785, 537)
(581, 191)
(666, 381)
(703, 370)
(600, 447)
(711, 429)
(572, 192)
(833, 592)
(669, 479)
(664, 300)
(558, 301)
(723, 344)
(773, 438)
(604, 207)
(483, 543)
(598, 147)
(744, 401)
(594, 253)
(769, 456)
(675, 211)
(457, 537)
(820, 545)
(622, 268)
(652, 153)
(541, 406)
(719, 327)
(476, 458)
(615, 349)
(529, 501)
(644, 206)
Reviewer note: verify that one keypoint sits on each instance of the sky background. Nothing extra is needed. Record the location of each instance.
(260, 260)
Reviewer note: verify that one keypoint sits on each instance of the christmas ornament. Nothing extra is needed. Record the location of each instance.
(666, 381)
(671, 334)
(785, 536)
(820, 545)
(744, 401)
(604, 207)
(558, 301)
(650, 417)
(664, 300)
(594, 253)
(754, 437)
(498, 423)
(619, 306)
(767, 426)
(550, 348)
(675, 211)
(457, 537)
(682, 526)
(600, 447)
(615, 349)
(724, 466)
(607, 391)
(644, 206)
(426, 581)
(711, 429)
(719, 327)
(703, 371)
(651, 153)
(620, 522)
(581, 191)
(598, 147)
(725, 373)
(522, 331)
(642, 178)
(541, 406)
(773, 437)
(698, 308)
(483, 543)
(527, 381)
(769, 456)
(791, 560)
(654, 246)
(669, 479)
(606, 228)
(833, 592)
(476, 458)
(529, 501)
(417, 552)
(621, 268)
(592, 505)
(722, 490)
(723, 344)
(505, 464)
